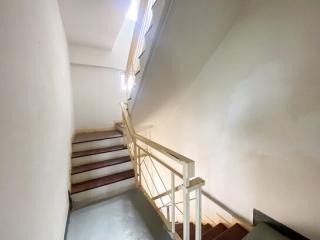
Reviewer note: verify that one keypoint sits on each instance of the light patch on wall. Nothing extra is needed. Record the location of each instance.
(127, 85)
(123, 82)
(132, 13)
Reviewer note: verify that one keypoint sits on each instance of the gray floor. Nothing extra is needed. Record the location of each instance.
(128, 216)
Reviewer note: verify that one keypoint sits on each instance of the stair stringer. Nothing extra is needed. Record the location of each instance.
(160, 10)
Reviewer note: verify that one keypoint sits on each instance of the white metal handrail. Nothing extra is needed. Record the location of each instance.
(141, 150)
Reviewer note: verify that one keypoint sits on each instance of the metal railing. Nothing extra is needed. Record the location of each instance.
(164, 175)
(143, 24)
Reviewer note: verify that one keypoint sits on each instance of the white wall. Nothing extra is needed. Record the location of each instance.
(93, 23)
(116, 58)
(97, 93)
(96, 81)
(36, 121)
(185, 45)
(251, 118)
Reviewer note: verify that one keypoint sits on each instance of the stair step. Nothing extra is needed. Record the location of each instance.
(236, 232)
(95, 183)
(93, 195)
(100, 172)
(179, 228)
(98, 157)
(97, 165)
(204, 228)
(95, 136)
(214, 232)
(97, 151)
(97, 144)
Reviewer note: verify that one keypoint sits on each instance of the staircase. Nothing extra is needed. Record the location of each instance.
(217, 232)
(101, 167)
(152, 16)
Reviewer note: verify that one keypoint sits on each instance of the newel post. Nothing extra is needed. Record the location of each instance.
(198, 213)
(173, 204)
(186, 202)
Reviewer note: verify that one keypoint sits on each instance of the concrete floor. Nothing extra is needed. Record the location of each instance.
(128, 216)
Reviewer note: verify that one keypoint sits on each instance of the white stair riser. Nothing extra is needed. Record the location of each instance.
(97, 144)
(99, 157)
(97, 194)
(101, 172)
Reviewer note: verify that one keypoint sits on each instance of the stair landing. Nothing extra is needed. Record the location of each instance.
(128, 216)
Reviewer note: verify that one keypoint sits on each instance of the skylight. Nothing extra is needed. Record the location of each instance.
(132, 13)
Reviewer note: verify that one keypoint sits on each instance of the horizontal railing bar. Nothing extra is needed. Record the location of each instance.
(194, 184)
(178, 188)
(169, 204)
(166, 151)
(161, 162)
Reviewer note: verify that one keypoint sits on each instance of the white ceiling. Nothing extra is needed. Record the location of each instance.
(93, 23)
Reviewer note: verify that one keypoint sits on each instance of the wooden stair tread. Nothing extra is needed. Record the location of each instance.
(95, 136)
(214, 232)
(236, 232)
(99, 182)
(100, 164)
(204, 228)
(97, 151)
(179, 228)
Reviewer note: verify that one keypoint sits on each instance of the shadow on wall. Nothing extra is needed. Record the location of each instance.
(181, 54)
(251, 118)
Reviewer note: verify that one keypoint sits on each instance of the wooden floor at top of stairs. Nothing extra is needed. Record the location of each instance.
(95, 136)
(99, 182)
(97, 151)
(100, 164)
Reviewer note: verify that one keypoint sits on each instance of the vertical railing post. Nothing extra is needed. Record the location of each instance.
(186, 203)
(135, 160)
(168, 212)
(124, 130)
(198, 213)
(186, 214)
(173, 204)
(139, 167)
